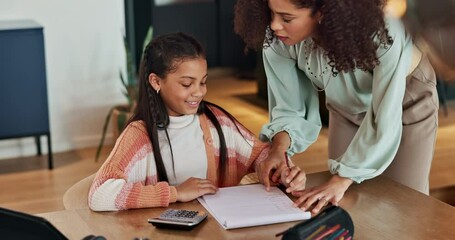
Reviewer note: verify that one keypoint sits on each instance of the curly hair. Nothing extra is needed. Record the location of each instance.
(350, 31)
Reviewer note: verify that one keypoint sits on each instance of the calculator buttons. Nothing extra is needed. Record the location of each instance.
(180, 215)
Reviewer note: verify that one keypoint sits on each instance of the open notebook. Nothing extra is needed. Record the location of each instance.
(251, 205)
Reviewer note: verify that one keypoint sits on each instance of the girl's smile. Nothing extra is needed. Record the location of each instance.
(183, 89)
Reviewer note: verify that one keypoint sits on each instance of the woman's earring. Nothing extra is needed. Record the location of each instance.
(157, 91)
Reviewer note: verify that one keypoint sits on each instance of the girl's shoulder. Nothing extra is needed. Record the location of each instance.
(136, 128)
(133, 137)
(216, 110)
(221, 115)
(225, 119)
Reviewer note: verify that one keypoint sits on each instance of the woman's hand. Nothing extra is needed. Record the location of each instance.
(293, 179)
(329, 192)
(193, 188)
(269, 171)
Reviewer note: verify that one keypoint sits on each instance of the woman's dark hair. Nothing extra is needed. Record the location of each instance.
(347, 30)
(162, 56)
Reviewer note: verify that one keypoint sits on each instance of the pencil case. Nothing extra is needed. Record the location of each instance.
(332, 223)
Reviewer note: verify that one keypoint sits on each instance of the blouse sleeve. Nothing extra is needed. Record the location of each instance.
(293, 101)
(377, 140)
(122, 182)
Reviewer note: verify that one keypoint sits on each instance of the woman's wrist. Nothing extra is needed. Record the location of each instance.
(281, 142)
(346, 182)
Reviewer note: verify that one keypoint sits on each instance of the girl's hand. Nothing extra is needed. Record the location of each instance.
(293, 179)
(329, 192)
(193, 188)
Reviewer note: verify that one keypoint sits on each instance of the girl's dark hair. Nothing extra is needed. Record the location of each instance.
(162, 56)
(347, 32)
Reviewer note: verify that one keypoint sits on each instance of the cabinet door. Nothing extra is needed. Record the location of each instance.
(23, 93)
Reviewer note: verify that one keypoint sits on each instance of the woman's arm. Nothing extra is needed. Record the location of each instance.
(377, 140)
(294, 110)
(293, 101)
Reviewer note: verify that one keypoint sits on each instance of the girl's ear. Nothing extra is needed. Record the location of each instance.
(155, 82)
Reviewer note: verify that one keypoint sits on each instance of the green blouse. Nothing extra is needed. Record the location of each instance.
(293, 72)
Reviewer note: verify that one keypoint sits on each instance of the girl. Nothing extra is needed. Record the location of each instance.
(380, 91)
(176, 147)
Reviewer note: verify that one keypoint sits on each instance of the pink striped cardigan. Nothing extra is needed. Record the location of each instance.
(128, 178)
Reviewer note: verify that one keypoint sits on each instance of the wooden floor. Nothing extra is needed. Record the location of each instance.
(26, 184)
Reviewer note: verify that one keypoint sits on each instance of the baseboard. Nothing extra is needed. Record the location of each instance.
(24, 147)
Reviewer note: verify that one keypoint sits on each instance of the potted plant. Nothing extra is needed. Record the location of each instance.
(121, 113)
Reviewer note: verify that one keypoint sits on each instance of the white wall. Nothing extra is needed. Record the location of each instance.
(84, 53)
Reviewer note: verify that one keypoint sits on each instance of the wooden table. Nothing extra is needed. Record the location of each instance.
(380, 208)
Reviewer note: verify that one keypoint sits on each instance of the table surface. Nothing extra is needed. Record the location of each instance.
(380, 209)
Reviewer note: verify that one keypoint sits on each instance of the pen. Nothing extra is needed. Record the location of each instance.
(286, 159)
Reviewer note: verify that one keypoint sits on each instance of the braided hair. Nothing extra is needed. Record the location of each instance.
(162, 56)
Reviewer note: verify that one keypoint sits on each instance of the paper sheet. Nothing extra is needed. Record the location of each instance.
(251, 205)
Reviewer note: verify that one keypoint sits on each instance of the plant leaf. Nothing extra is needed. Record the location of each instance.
(103, 135)
(123, 80)
(148, 37)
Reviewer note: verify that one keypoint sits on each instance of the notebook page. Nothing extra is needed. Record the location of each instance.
(251, 205)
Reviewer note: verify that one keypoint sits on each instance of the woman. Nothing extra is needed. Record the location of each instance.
(368, 67)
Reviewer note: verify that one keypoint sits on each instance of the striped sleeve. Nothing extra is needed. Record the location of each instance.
(128, 178)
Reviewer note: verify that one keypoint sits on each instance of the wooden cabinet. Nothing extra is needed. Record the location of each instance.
(23, 92)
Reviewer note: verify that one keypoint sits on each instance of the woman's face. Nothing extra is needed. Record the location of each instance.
(183, 89)
(291, 24)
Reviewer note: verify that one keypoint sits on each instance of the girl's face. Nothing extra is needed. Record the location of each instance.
(183, 90)
(291, 24)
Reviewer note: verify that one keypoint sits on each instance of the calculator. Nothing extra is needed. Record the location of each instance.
(178, 219)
